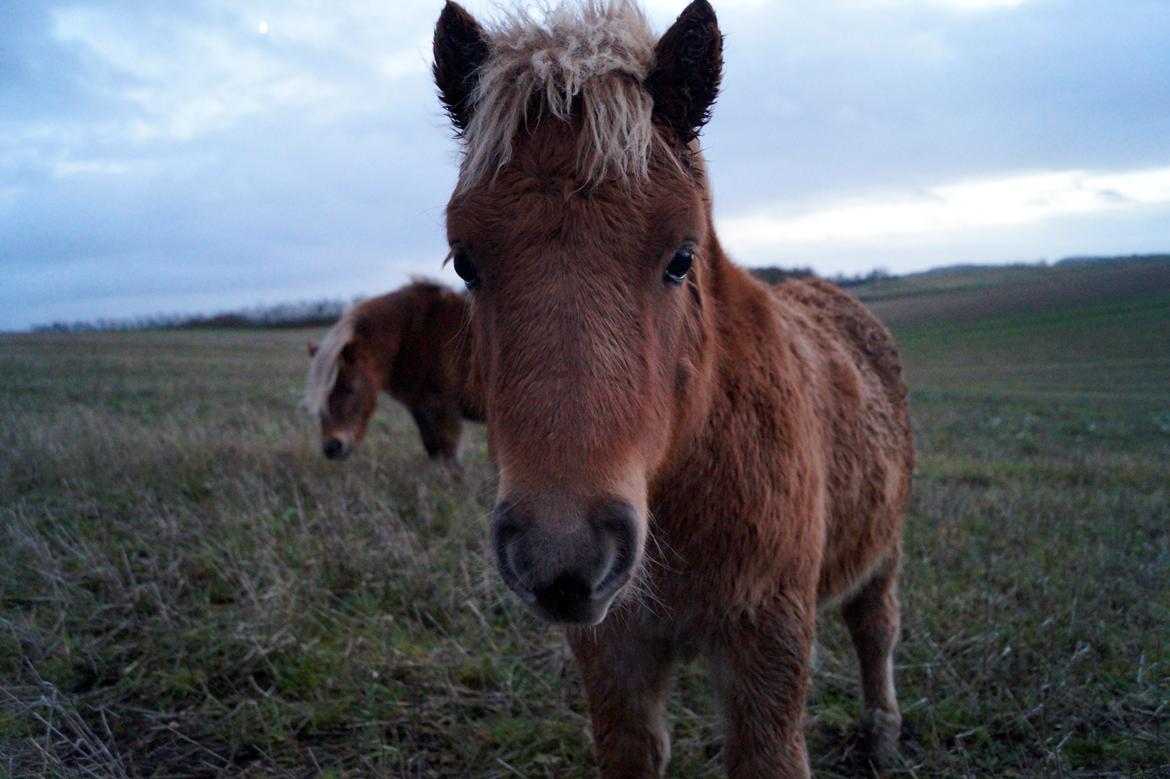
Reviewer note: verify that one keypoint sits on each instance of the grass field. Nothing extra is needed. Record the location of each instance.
(187, 588)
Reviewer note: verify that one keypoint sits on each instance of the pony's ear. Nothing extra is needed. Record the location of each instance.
(312, 345)
(461, 47)
(348, 353)
(688, 63)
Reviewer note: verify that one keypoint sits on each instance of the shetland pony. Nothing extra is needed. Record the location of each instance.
(412, 344)
(690, 462)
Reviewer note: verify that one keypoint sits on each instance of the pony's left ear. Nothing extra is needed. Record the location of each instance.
(461, 47)
(688, 63)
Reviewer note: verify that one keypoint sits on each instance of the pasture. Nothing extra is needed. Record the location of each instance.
(188, 588)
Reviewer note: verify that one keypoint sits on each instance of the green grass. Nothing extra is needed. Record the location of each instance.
(186, 587)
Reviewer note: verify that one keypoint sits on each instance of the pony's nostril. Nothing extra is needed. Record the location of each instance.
(507, 527)
(617, 525)
(510, 575)
(332, 448)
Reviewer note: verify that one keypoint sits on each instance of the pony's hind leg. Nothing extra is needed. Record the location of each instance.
(873, 619)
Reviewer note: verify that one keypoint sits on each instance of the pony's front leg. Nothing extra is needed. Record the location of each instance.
(625, 671)
(761, 665)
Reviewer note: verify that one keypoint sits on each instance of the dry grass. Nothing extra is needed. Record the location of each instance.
(186, 588)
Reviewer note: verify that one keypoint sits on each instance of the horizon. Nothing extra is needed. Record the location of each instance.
(204, 158)
(300, 310)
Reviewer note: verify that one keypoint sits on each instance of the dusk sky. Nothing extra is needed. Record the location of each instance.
(199, 156)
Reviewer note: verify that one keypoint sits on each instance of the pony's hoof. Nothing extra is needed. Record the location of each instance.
(880, 730)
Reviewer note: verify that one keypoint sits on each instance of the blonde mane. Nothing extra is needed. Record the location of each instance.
(323, 367)
(592, 54)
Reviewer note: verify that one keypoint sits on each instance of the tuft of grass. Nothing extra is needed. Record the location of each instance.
(187, 588)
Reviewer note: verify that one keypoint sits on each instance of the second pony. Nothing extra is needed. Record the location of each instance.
(412, 344)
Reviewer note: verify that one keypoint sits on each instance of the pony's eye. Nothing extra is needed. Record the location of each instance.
(466, 269)
(679, 266)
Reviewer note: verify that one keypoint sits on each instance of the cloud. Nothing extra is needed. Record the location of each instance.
(947, 208)
(190, 73)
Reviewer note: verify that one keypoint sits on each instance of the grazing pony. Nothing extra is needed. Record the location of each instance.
(690, 462)
(412, 344)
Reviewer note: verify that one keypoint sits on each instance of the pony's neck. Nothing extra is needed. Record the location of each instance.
(726, 292)
(700, 361)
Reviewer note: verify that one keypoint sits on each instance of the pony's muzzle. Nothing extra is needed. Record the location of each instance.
(334, 448)
(568, 570)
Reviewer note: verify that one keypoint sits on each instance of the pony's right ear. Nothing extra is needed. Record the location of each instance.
(461, 47)
(313, 348)
(688, 64)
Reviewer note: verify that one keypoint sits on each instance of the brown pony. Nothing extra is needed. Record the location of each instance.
(690, 462)
(412, 344)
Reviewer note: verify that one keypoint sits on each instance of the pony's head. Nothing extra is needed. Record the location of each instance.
(581, 223)
(342, 385)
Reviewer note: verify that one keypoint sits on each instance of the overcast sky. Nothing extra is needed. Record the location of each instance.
(201, 155)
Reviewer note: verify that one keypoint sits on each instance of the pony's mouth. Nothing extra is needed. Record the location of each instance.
(565, 604)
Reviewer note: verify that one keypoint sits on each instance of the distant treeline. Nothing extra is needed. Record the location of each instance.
(1124, 258)
(303, 314)
(774, 275)
(321, 313)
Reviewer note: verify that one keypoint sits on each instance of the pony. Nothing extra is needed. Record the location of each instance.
(690, 462)
(411, 344)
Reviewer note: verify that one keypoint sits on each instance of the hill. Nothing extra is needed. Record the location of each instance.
(981, 291)
(1097, 330)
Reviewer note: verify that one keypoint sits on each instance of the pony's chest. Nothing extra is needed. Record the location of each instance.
(734, 530)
